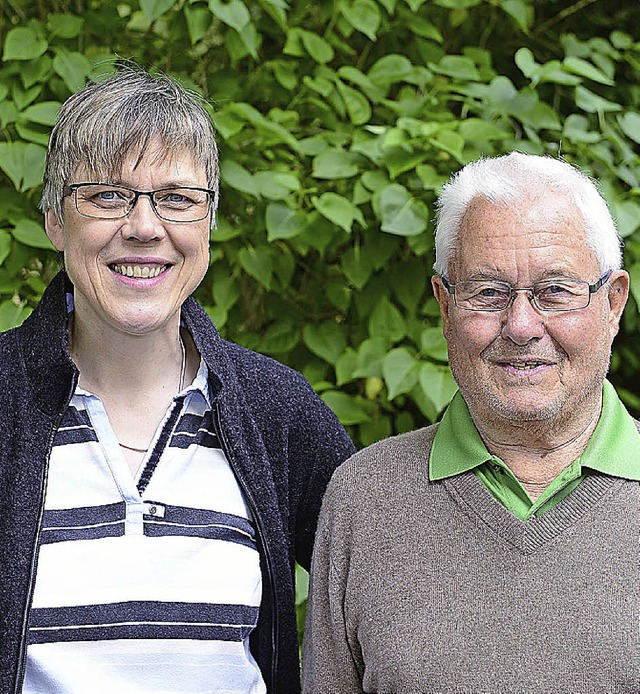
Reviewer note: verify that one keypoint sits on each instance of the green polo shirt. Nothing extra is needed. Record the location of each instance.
(613, 449)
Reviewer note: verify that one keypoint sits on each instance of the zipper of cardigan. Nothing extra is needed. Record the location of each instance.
(268, 561)
(22, 655)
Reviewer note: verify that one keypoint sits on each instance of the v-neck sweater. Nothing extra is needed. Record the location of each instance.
(433, 586)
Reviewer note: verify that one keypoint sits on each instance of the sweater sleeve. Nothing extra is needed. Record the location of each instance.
(331, 660)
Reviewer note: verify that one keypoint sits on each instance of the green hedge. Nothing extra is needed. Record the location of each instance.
(338, 122)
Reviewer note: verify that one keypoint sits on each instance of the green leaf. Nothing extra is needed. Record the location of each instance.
(66, 26)
(576, 129)
(457, 66)
(284, 223)
(22, 43)
(433, 343)
(386, 321)
(32, 234)
(334, 164)
(363, 15)
(34, 71)
(236, 176)
(198, 22)
(399, 371)
(225, 292)
(369, 359)
(23, 163)
(277, 10)
(258, 263)
(276, 185)
(630, 124)
(581, 67)
(478, 130)
(357, 105)
(8, 113)
(74, 69)
(345, 366)
(234, 13)
(627, 215)
(280, 338)
(458, 4)
(319, 49)
(449, 142)
(399, 212)
(153, 9)
(409, 281)
(520, 12)
(44, 112)
(356, 266)
(437, 384)
(634, 274)
(250, 40)
(592, 103)
(5, 245)
(349, 410)
(11, 316)
(327, 340)
(390, 69)
(338, 210)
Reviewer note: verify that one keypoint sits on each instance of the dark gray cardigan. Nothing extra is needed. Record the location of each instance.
(282, 441)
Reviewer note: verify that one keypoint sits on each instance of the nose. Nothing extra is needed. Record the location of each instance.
(522, 322)
(142, 223)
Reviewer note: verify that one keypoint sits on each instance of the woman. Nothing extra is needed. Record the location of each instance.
(156, 481)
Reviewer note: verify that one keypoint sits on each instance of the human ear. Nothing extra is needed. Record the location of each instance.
(442, 297)
(54, 229)
(618, 295)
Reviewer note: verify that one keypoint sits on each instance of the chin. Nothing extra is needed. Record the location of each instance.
(519, 408)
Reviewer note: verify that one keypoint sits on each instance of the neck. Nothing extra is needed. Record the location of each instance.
(537, 452)
(130, 365)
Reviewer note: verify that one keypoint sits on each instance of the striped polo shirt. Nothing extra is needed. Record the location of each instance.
(150, 584)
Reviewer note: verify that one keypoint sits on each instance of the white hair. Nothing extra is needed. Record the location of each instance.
(512, 178)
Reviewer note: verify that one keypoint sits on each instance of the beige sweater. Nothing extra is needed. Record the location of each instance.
(425, 587)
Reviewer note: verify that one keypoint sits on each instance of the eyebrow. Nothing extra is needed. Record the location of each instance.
(552, 273)
(174, 183)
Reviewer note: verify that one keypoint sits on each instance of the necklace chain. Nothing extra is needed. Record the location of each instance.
(183, 367)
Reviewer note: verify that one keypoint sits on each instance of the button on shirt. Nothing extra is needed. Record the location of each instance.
(150, 584)
(613, 449)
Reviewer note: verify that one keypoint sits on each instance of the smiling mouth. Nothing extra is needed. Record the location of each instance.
(524, 365)
(139, 271)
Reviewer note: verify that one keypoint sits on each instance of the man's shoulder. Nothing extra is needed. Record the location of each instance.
(391, 462)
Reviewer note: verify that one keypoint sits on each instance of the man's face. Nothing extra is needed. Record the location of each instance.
(167, 259)
(522, 364)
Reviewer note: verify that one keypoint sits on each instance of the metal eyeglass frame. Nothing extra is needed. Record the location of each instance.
(593, 288)
(72, 189)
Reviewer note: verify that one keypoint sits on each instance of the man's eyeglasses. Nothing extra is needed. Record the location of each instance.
(557, 294)
(112, 201)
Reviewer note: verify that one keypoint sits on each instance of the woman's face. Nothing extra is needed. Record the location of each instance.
(167, 259)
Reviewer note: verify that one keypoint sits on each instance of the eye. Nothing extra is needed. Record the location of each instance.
(104, 197)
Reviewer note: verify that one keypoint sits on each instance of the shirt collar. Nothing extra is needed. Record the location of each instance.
(612, 449)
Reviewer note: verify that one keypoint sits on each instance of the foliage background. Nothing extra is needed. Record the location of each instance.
(338, 121)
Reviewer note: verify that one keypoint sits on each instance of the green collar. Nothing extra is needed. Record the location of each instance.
(613, 447)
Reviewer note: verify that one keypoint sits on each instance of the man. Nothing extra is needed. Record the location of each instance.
(156, 482)
(499, 550)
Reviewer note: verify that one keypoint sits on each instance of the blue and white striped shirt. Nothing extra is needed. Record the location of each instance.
(150, 584)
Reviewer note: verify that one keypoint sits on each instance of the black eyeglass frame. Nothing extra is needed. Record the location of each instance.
(593, 288)
(72, 189)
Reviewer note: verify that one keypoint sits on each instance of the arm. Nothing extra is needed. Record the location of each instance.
(331, 660)
(318, 444)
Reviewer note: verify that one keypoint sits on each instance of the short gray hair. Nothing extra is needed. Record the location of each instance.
(515, 177)
(102, 124)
